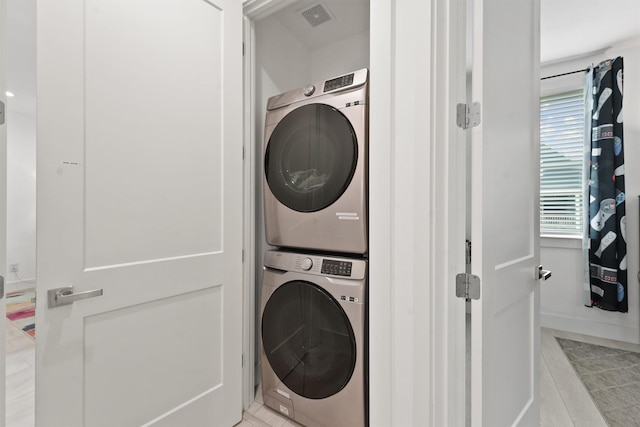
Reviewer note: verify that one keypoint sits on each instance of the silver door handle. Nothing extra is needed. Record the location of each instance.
(65, 295)
(543, 274)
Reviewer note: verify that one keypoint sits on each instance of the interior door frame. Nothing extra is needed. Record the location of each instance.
(249, 218)
(440, 218)
(3, 212)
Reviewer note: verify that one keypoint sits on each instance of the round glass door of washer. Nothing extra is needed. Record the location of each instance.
(311, 157)
(308, 340)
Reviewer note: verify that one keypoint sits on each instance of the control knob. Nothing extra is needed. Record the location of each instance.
(308, 91)
(306, 264)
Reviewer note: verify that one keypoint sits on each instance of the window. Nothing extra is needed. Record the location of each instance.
(562, 163)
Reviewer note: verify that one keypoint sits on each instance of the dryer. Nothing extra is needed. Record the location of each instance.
(315, 166)
(313, 331)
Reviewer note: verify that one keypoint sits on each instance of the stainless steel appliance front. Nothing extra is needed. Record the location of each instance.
(313, 330)
(315, 166)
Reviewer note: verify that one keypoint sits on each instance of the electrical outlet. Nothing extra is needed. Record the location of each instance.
(13, 268)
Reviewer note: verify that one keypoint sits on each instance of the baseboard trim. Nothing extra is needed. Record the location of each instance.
(19, 285)
(589, 327)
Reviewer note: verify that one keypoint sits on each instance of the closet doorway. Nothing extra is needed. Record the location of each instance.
(20, 280)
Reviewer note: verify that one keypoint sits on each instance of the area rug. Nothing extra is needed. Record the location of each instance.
(21, 310)
(612, 377)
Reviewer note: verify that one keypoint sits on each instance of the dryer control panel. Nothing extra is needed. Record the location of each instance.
(338, 82)
(347, 82)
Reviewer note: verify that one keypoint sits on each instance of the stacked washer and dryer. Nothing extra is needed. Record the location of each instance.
(314, 286)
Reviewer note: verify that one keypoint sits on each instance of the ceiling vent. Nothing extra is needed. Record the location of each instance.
(316, 14)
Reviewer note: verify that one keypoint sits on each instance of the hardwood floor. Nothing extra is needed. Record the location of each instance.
(20, 380)
(564, 401)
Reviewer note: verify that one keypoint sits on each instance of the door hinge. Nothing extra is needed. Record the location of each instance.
(1, 113)
(243, 255)
(467, 286)
(468, 116)
(242, 49)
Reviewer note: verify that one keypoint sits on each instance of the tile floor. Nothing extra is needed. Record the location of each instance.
(612, 376)
(564, 400)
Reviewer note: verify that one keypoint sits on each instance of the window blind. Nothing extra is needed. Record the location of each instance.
(561, 163)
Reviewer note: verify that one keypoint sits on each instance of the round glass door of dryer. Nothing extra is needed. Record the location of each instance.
(311, 157)
(308, 340)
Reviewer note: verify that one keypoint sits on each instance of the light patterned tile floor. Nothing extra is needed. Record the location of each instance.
(613, 377)
(564, 400)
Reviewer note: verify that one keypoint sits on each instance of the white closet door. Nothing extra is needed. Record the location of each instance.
(140, 197)
(505, 211)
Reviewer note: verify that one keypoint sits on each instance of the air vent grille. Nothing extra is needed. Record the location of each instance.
(316, 15)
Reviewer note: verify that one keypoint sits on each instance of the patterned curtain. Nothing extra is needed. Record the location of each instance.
(607, 246)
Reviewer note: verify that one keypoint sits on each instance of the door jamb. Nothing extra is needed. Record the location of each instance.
(249, 218)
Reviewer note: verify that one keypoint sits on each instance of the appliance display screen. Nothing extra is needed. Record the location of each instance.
(338, 82)
(336, 268)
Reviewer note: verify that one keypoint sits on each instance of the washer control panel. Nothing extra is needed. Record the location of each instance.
(306, 264)
(336, 268)
(317, 265)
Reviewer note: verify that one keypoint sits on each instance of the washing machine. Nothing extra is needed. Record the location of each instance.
(315, 166)
(313, 331)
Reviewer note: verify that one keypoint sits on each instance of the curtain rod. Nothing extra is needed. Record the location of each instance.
(565, 74)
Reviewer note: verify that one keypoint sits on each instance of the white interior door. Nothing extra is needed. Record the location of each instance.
(3, 207)
(140, 195)
(505, 227)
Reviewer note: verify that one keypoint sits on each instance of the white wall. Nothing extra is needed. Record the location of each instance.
(21, 195)
(562, 297)
(21, 141)
(339, 58)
